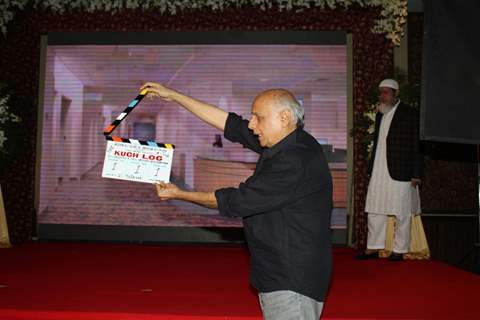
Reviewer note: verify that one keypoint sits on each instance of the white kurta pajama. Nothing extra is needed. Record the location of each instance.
(386, 196)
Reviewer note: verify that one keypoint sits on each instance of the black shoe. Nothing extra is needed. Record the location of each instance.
(367, 256)
(395, 257)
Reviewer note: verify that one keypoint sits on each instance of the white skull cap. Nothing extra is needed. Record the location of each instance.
(389, 83)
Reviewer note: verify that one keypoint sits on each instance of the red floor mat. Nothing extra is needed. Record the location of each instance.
(50, 281)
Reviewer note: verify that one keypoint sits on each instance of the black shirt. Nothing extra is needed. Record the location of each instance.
(286, 206)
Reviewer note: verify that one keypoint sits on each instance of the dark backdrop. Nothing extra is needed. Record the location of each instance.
(451, 72)
(450, 189)
(451, 185)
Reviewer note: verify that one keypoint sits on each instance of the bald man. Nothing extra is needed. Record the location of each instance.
(285, 205)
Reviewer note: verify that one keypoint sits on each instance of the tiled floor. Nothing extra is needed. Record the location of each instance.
(94, 200)
(101, 201)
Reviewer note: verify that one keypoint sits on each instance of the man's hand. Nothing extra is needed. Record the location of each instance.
(416, 182)
(167, 191)
(157, 90)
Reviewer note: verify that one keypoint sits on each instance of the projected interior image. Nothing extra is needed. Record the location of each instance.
(88, 86)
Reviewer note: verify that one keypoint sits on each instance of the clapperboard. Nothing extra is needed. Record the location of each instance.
(136, 160)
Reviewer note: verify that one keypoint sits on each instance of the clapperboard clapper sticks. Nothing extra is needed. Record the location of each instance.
(136, 160)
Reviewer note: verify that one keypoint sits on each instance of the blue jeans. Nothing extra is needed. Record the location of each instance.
(289, 305)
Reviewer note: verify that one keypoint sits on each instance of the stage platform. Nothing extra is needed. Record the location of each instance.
(87, 281)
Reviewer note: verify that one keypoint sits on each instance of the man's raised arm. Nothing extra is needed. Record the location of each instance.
(204, 111)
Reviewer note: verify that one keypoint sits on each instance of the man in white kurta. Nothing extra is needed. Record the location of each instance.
(387, 196)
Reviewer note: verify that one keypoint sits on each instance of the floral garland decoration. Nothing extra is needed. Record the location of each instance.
(368, 127)
(393, 12)
(5, 118)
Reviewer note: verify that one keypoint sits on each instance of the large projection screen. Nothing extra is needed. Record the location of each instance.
(89, 78)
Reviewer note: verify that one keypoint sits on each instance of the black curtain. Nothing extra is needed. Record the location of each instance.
(450, 110)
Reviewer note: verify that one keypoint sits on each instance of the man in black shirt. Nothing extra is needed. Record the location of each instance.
(285, 205)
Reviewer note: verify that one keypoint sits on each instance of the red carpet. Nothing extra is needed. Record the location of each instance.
(125, 282)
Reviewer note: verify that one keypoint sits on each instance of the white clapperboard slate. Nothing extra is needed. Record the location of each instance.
(136, 160)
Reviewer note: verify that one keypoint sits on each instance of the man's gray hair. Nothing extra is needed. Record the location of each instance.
(295, 108)
(288, 101)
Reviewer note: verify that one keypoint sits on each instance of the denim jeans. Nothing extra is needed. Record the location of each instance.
(289, 305)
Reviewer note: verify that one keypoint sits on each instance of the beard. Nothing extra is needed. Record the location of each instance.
(384, 108)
